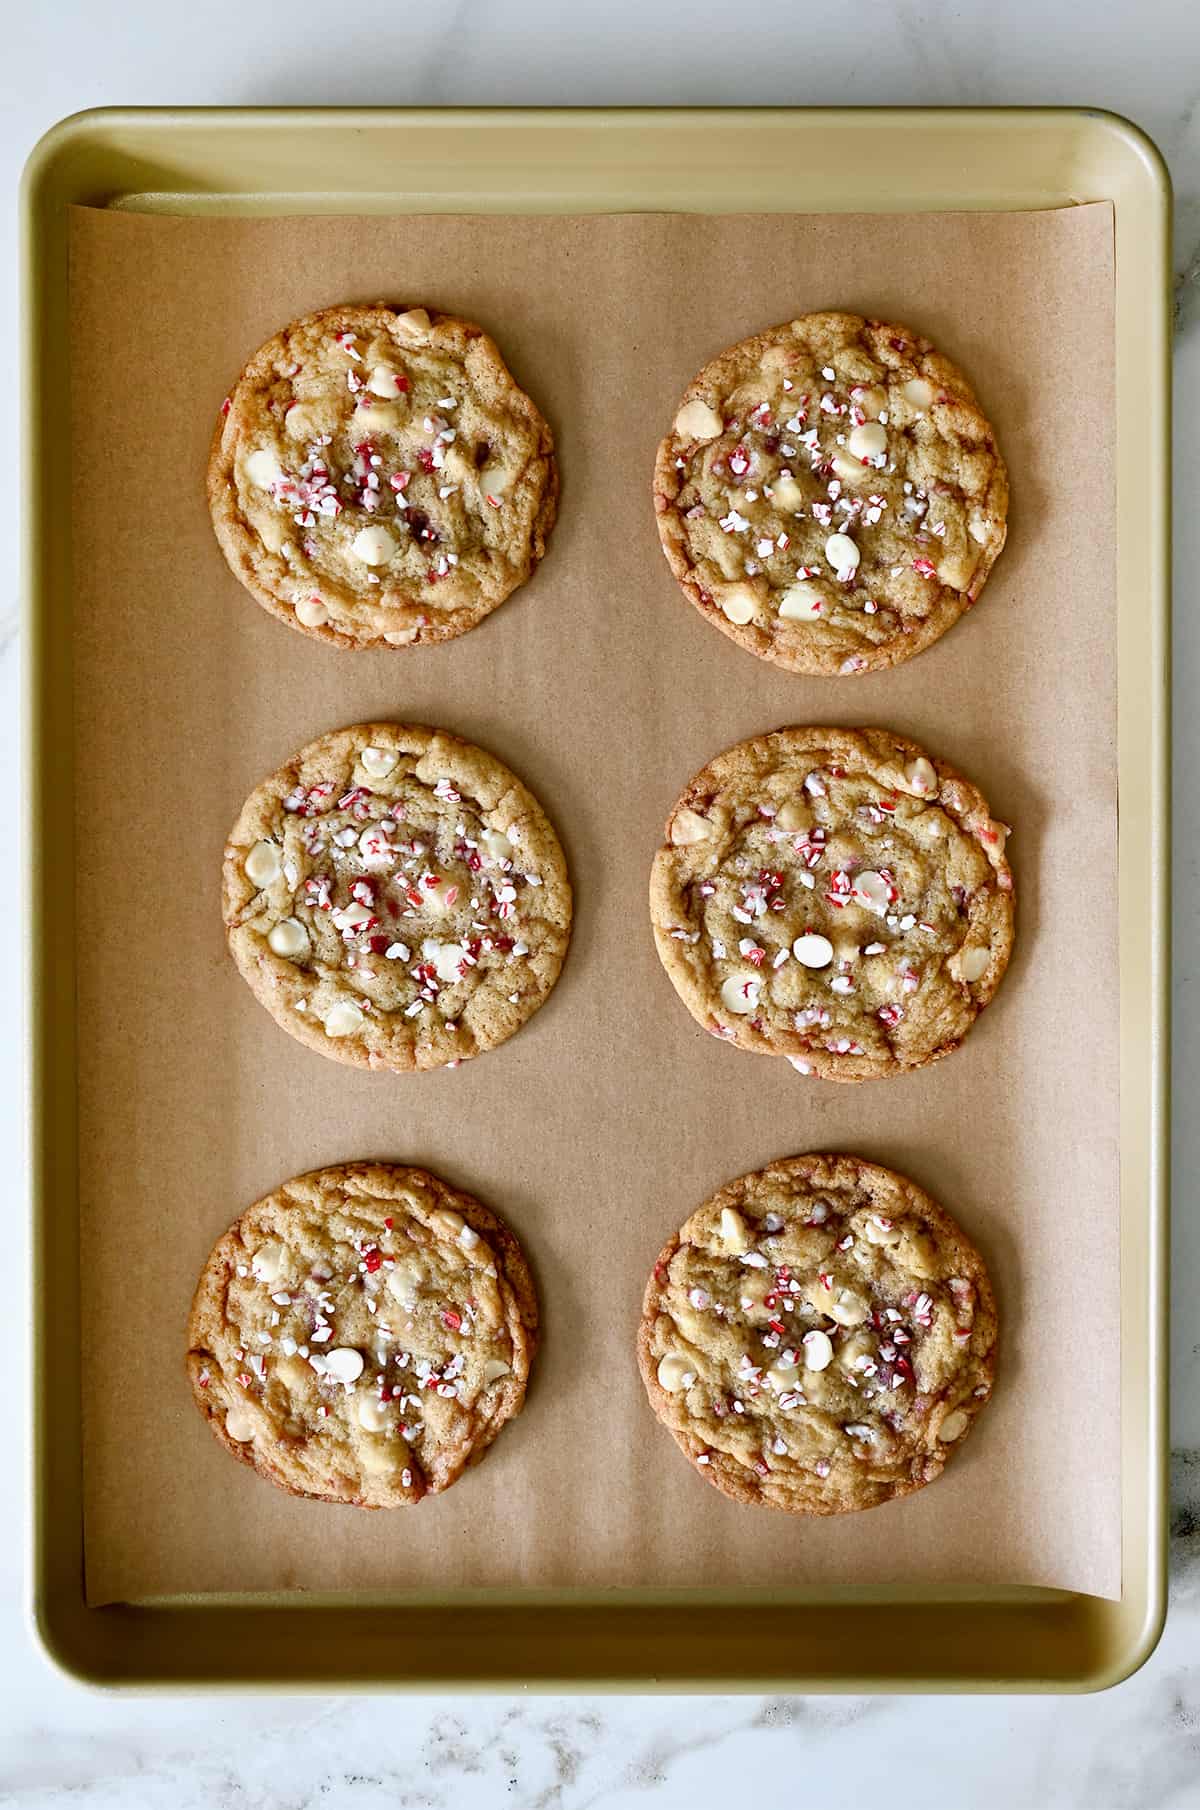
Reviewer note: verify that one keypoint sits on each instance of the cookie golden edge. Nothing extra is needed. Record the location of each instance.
(975, 815)
(388, 1178)
(271, 977)
(235, 539)
(725, 1473)
(951, 606)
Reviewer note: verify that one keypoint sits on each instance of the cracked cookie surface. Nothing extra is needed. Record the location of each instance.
(819, 1336)
(378, 479)
(362, 1334)
(836, 896)
(831, 495)
(396, 898)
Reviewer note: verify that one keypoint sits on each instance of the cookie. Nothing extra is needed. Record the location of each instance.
(837, 896)
(819, 1336)
(362, 1334)
(377, 479)
(396, 898)
(830, 495)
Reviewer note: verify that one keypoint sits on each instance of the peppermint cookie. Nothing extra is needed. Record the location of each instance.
(831, 495)
(836, 896)
(362, 1334)
(818, 1337)
(378, 479)
(396, 898)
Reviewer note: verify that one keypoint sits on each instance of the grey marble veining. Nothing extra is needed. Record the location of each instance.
(1135, 1748)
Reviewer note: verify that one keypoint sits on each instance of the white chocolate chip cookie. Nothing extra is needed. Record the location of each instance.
(837, 897)
(830, 494)
(396, 898)
(832, 1358)
(378, 479)
(362, 1334)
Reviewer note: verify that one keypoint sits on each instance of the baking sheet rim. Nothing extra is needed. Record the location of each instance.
(87, 130)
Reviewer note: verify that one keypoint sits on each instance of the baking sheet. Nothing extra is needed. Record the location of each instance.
(611, 1115)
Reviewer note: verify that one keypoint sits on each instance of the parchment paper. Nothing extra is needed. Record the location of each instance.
(611, 1115)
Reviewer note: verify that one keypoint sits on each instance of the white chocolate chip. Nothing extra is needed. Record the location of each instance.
(447, 958)
(979, 530)
(802, 602)
(842, 554)
(851, 471)
(493, 1370)
(353, 918)
(412, 328)
(448, 1222)
(872, 890)
(376, 417)
(688, 827)
(930, 826)
(268, 1262)
(344, 1363)
(382, 382)
(921, 776)
(954, 1425)
(263, 864)
(343, 1019)
(735, 1233)
(697, 421)
(794, 815)
(917, 393)
(494, 480)
(877, 1231)
(973, 964)
(374, 546)
(785, 493)
(381, 1458)
(262, 468)
(674, 1373)
(288, 938)
(377, 763)
(311, 612)
(870, 398)
(739, 994)
(813, 951)
(371, 1412)
(238, 1424)
(468, 1237)
(818, 1350)
(739, 602)
(496, 845)
(301, 423)
(404, 1281)
(867, 441)
(848, 1309)
(440, 897)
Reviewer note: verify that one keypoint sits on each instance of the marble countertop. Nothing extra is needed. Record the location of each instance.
(1136, 1746)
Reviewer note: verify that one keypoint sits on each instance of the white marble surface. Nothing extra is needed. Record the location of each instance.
(1138, 1746)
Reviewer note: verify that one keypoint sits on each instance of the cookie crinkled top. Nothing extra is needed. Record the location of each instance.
(830, 494)
(819, 1336)
(362, 1334)
(836, 896)
(378, 479)
(396, 898)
